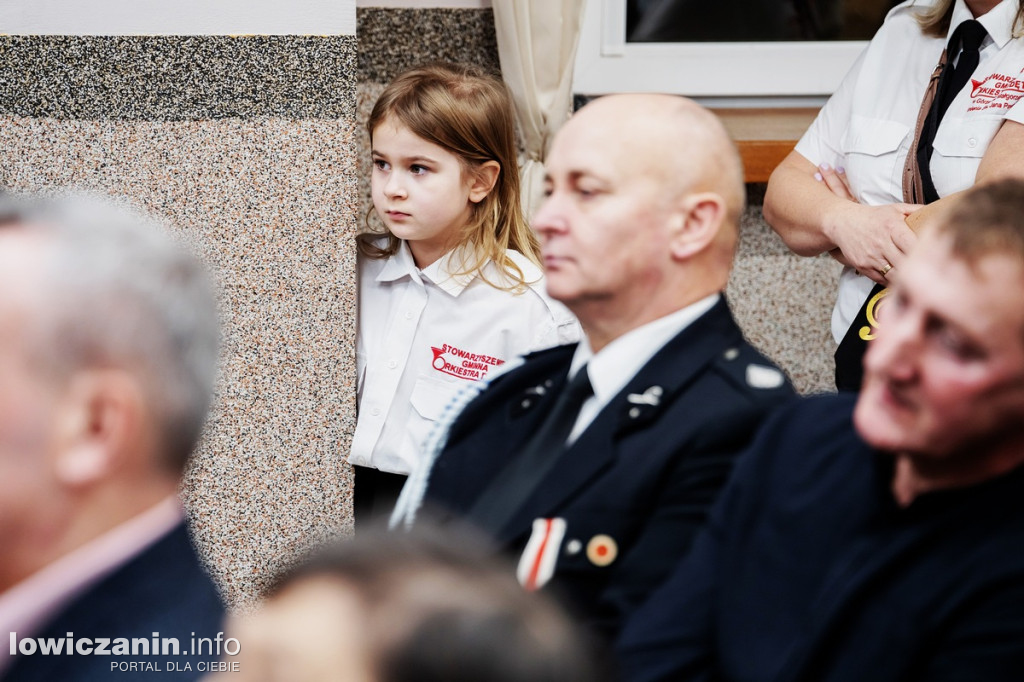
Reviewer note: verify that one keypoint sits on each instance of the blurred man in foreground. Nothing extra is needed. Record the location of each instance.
(881, 536)
(108, 349)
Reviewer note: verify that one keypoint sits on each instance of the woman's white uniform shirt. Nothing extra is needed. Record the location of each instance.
(424, 335)
(867, 126)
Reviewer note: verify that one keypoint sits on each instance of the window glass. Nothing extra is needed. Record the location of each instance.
(671, 21)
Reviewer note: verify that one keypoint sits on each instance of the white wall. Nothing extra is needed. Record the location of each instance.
(178, 17)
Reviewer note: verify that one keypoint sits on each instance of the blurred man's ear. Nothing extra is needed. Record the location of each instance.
(696, 223)
(99, 427)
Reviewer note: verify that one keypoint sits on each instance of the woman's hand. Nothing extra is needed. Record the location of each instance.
(835, 180)
(815, 211)
(871, 239)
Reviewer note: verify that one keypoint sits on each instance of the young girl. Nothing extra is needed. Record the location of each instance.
(451, 289)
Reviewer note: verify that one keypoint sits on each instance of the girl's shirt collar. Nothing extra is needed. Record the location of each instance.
(443, 273)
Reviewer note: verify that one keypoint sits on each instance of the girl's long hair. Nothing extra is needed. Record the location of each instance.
(470, 113)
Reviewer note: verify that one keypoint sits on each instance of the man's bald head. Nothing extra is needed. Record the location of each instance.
(644, 198)
(683, 144)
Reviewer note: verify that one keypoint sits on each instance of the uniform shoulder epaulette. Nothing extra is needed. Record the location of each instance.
(749, 369)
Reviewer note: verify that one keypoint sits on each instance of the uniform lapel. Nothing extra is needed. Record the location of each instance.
(637, 406)
(519, 396)
(494, 426)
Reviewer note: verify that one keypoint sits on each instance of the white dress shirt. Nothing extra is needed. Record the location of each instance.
(868, 125)
(611, 368)
(426, 334)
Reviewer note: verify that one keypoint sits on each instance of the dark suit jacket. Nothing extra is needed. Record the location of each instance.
(643, 475)
(809, 571)
(164, 589)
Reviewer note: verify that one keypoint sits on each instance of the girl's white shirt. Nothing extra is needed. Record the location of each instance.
(426, 335)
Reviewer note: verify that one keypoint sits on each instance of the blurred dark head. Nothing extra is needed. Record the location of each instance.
(394, 607)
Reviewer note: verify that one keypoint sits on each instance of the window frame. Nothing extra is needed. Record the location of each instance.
(606, 63)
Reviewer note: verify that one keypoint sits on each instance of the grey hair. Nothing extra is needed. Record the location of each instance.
(119, 291)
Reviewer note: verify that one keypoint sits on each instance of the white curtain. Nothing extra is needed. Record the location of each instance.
(537, 42)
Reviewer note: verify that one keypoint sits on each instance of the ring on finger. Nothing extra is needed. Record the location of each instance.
(885, 269)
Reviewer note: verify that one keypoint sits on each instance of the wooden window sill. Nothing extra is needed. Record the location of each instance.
(765, 136)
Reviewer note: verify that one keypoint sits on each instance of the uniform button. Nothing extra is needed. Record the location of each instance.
(375, 412)
(573, 547)
(602, 550)
(408, 316)
(392, 364)
(732, 354)
(972, 143)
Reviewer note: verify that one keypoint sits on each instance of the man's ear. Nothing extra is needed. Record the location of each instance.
(484, 177)
(98, 427)
(696, 223)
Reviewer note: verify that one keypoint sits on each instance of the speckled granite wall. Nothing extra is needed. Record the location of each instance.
(246, 145)
(783, 302)
(393, 40)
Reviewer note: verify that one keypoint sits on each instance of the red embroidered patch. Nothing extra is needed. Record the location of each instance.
(463, 364)
(997, 91)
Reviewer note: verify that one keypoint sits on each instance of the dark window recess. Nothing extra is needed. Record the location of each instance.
(673, 21)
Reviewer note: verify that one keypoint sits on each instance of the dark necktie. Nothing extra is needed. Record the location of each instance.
(506, 492)
(965, 40)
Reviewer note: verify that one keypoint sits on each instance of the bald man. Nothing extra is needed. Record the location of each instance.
(593, 465)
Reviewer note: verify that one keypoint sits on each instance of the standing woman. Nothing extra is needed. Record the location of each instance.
(931, 107)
